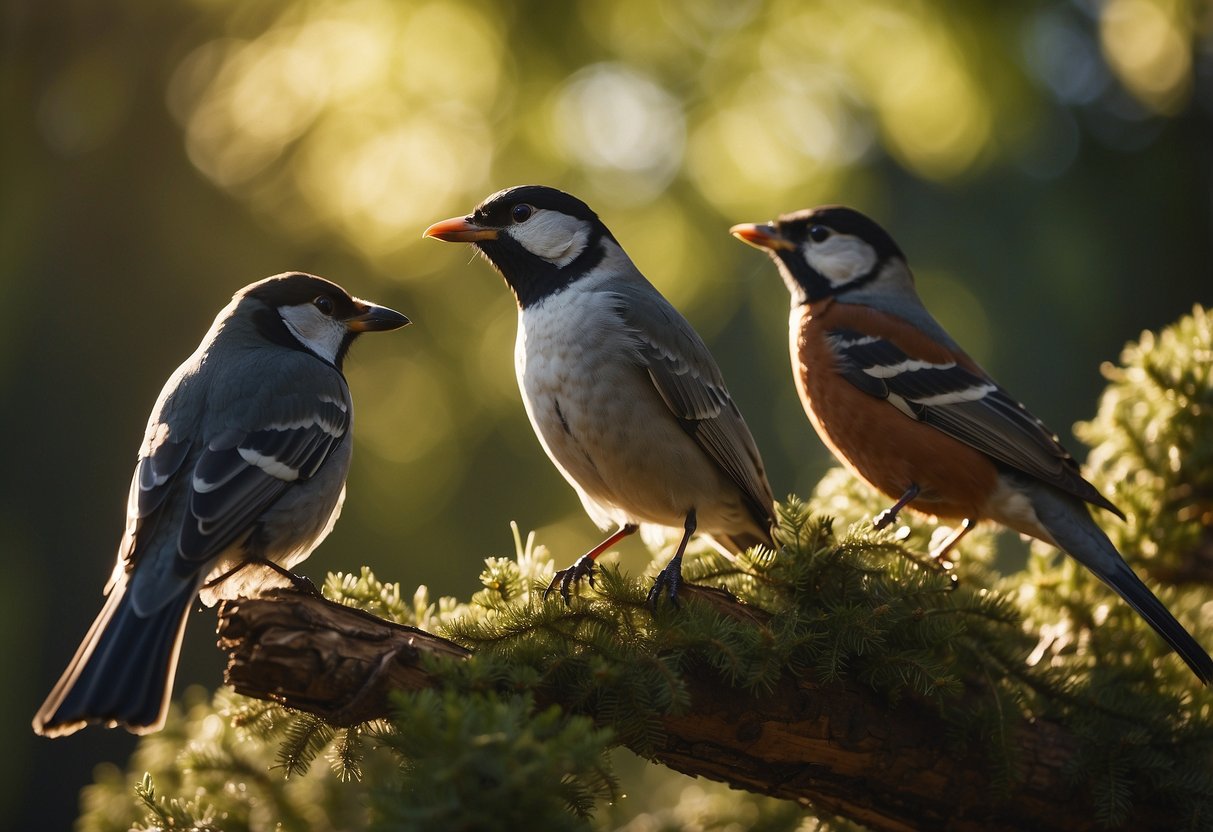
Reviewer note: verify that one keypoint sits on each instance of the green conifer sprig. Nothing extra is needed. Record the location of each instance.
(494, 762)
(223, 774)
(349, 750)
(166, 814)
(306, 736)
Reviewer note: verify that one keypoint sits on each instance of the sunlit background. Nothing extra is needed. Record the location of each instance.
(1045, 165)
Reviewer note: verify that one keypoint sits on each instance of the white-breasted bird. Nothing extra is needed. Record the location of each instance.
(240, 475)
(904, 407)
(621, 391)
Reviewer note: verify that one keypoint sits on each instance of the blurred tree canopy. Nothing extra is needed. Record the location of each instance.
(1046, 166)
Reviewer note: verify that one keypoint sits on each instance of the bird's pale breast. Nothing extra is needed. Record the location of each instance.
(603, 423)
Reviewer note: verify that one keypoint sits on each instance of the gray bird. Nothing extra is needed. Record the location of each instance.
(240, 475)
(621, 391)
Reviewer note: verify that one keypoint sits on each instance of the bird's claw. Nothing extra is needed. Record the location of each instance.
(885, 518)
(299, 583)
(304, 584)
(668, 579)
(571, 577)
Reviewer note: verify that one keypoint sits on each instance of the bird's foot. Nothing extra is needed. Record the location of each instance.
(886, 517)
(669, 581)
(939, 554)
(939, 560)
(300, 583)
(304, 584)
(571, 577)
(941, 551)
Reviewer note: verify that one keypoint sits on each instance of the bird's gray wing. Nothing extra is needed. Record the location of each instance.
(963, 404)
(195, 495)
(690, 383)
(241, 471)
(197, 490)
(157, 474)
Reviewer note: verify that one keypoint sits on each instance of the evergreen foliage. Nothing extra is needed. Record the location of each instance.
(1152, 442)
(489, 747)
(218, 765)
(484, 761)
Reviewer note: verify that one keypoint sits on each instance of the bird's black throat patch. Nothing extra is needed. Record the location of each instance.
(533, 279)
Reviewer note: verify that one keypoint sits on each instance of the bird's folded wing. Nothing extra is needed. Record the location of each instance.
(160, 463)
(689, 382)
(190, 500)
(963, 404)
(241, 472)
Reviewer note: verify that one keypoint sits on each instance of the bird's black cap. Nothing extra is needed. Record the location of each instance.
(795, 227)
(494, 210)
(293, 288)
(531, 278)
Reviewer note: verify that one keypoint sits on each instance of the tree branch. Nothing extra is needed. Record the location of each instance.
(840, 747)
(319, 656)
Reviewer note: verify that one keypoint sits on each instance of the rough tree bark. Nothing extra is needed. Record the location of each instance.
(839, 747)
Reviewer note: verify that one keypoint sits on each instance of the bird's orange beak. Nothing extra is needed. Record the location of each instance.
(459, 230)
(761, 236)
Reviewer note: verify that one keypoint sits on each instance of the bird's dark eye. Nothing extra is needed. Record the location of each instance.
(818, 233)
(324, 303)
(521, 212)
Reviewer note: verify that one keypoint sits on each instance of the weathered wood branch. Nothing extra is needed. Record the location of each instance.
(315, 655)
(840, 747)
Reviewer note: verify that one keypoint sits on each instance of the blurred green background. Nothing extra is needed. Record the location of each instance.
(1045, 165)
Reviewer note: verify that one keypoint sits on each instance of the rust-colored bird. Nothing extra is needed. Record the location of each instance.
(903, 406)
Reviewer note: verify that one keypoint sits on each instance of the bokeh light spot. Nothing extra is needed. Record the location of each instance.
(1148, 50)
(614, 119)
(450, 53)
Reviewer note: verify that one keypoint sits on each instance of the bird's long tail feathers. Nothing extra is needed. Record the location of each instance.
(1071, 526)
(1138, 596)
(122, 673)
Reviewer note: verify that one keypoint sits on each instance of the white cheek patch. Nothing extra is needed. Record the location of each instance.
(840, 259)
(552, 236)
(315, 330)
